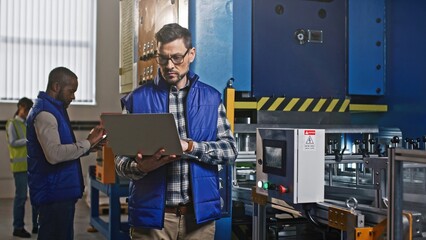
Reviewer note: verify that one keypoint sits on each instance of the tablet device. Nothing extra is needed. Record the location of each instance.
(130, 133)
(96, 144)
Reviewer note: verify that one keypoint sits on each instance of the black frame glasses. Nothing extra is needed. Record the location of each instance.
(176, 58)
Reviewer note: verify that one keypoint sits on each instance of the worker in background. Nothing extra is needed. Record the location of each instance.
(173, 196)
(17, 144)
(54, 170)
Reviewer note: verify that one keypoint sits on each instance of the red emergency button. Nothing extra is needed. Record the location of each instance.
(282, 189)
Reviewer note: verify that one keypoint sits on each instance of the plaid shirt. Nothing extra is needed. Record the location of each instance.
(221, 151)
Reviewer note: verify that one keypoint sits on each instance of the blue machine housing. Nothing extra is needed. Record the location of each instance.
(367, 45)
(242, 42)
(210, 23)
(405, 70)
(286, 66)
(391, 72)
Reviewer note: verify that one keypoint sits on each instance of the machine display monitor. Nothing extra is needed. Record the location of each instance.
(274, 157)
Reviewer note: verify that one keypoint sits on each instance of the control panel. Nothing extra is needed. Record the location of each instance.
(290, 164)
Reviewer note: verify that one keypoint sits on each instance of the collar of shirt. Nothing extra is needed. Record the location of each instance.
(19, 118)
(174, 90)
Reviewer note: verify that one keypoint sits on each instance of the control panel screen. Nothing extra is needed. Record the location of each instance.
(274, 157)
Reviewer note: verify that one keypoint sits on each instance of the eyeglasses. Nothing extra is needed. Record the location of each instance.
(176, 59)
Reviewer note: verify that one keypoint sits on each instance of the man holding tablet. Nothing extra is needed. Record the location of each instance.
(175, 196)
(55, 177)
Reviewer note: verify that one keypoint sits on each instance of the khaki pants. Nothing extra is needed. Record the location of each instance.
(176, 228)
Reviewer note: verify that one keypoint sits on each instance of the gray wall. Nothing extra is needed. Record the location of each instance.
(107, 96)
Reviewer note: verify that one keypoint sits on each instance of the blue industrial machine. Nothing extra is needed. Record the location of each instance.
(344, 66)
(381, 72)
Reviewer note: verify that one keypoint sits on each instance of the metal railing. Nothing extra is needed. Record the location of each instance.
(397, 157)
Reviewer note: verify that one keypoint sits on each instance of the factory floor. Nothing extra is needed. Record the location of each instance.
(81, 221)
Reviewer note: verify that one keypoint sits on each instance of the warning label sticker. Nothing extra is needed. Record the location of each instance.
(309, 140)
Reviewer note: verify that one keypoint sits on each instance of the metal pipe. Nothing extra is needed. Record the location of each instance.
(395, 175)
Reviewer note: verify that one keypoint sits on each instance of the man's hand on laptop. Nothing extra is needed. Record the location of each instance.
(149, 163)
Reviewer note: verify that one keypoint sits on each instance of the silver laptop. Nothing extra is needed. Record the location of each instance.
(147, 133)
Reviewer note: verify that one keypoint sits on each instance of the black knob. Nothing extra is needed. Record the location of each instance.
(395, 139)
(372, 141)
(301, 36)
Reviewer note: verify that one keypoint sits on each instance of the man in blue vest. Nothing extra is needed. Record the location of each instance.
(16, 133)
(54, 169)
(178, 196)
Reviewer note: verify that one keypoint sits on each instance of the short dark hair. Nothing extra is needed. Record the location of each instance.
(172, 31)
(58, 75)
(25, 102)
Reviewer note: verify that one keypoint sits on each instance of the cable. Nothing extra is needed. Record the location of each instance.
(319, 226)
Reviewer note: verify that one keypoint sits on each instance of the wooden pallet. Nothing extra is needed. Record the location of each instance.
(104, 209)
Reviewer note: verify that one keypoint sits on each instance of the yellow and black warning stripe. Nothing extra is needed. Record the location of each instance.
(296, 104)
(283, 104)
(286, 104)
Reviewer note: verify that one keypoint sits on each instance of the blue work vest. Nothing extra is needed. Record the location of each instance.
(51, 183)
(148, 195)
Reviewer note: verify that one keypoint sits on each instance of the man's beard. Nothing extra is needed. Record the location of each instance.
(62, 99)
(179, 78)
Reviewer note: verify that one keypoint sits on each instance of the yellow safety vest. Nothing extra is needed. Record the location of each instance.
(18, 155)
